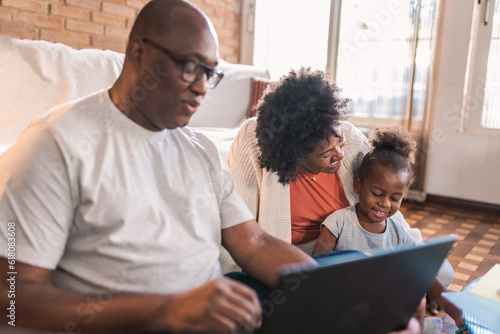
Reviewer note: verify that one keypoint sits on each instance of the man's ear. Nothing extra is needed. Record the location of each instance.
(356, 183)
(135, 53)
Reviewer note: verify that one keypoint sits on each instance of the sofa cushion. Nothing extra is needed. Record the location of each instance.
(38, 75)
(226, 106)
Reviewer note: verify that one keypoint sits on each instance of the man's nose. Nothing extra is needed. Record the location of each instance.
(200, 85)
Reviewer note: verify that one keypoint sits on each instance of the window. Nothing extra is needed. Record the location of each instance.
(481, 110)
(384, 59)
(289, 34)
(379, 52)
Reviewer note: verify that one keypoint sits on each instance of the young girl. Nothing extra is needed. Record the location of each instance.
(381, 182)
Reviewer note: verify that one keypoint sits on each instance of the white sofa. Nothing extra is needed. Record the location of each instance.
(38, 75)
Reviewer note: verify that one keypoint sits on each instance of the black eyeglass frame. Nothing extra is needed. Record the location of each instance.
(214, 75)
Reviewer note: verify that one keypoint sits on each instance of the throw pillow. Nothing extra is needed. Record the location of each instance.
(257, 87)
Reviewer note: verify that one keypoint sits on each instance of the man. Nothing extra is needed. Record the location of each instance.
(122, 233)
(128, 235)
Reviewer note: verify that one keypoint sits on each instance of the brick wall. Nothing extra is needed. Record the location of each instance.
(105, 24)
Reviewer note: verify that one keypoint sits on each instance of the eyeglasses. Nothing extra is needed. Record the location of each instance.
(192, 70)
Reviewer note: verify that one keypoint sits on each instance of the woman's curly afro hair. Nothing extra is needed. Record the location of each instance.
(393, 147)
(293, 116)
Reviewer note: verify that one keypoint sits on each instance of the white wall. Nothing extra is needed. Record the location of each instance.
(461, 165)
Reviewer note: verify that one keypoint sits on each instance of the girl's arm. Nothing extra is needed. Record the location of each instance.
(326, 242)
(434, 294)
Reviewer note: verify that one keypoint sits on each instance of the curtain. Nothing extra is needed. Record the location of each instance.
(385, 64)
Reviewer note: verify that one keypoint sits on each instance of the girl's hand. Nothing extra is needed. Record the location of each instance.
(459, 320)
(450, 309)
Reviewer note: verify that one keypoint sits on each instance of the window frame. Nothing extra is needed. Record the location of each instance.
(477, 63)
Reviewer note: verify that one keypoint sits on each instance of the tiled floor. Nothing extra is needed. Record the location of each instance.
(478, 247)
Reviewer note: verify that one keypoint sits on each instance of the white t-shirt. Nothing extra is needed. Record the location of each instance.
(344, 225)
(113, 207)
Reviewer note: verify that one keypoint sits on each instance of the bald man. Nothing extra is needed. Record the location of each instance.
(124, 235)
(117, 211)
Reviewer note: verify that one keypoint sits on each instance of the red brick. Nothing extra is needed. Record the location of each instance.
(233, 7)
(33, 6)
(130, 23)
(39, 20)
(235, 43)
(17, 29)
(109, 43)
(70, 11)
(233, 25)
(56, 2)
(224, 49)
(117, 31)
(109, 19)
(84, 26)
(83, 46)
(217, 21)
(70, 38)
(121, 10)
(231, 58)
(6, 13)
(121, 2)
(231, 42)
(226, 33)
(139, 4)
(224, 14)
(207, 9)
(217, 4)
(89, 4)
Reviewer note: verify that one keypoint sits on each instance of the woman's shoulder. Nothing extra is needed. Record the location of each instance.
(244, 145)
(353, 133)
(249, 125)
(356, 140)
(246, 133)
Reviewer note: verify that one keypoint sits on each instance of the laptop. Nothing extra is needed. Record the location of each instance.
(355, 293)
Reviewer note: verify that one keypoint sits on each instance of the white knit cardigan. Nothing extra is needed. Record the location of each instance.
(269, 200)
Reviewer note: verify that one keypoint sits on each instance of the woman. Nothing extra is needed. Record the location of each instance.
(294, 164)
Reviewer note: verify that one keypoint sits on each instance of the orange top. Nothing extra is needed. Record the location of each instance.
(311, 201)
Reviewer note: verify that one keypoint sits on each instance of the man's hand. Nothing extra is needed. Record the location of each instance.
(221, 305)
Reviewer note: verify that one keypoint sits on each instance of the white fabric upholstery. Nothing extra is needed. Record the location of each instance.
(37, 75)
(221, 137)
(226, 106)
